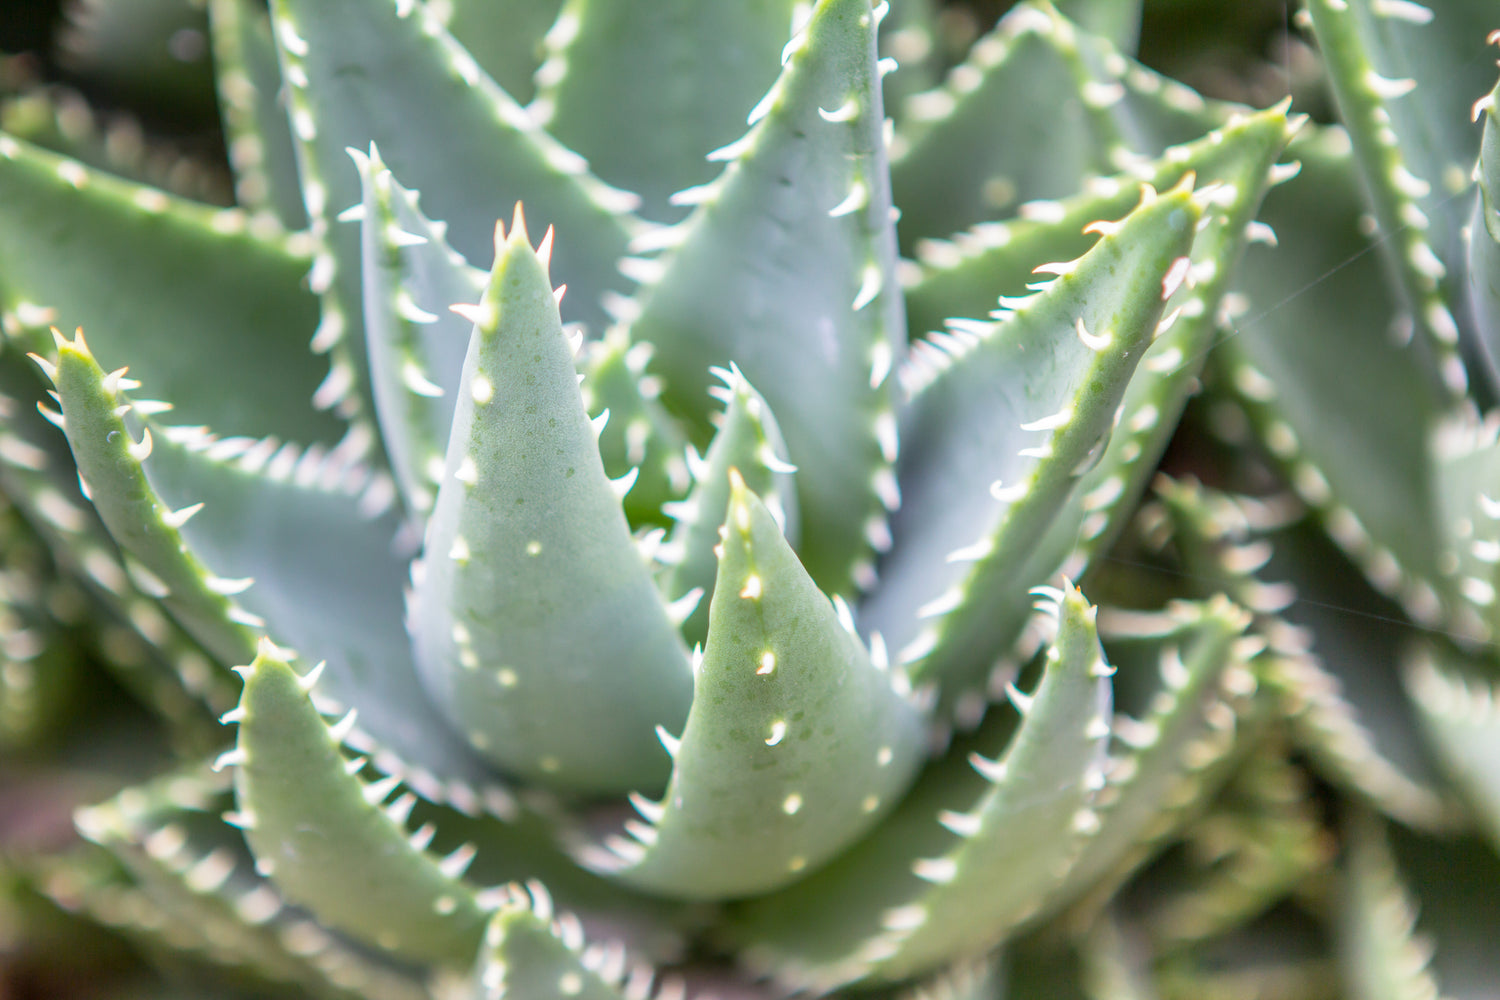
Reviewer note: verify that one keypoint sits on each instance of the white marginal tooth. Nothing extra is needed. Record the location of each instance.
(354, 765)
(1007, 494)
(669, 742)
(943, 604)
(680, 609)
(886, 436)
(600, 422)
(973, 553)
(455, 864)
(415, 380)
(421, 837)
(651, 812)
(230, 758)
(141, 450)
(1018, 698)
(1094, 342)
(963, 824)
(233, 716)
(340, 730)
(856, 199)
(400, 810)
(869, 287)
(625, 483)
(845, 615)
(880, 656)
(1050, 422)
(939, 871)
(309, 680)
(228, 587)
(643, 832)
(992, 770)
(177, 518)
(377, 791)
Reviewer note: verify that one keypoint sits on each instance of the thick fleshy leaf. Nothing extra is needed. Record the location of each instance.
(1221, 552)
(315, 827)
(1483, 239)
(259, 138)
(1368, 47)
(1458, 703)
(1408, 928)
(109, 469)
(787, 269)
(415, 342)
(548, 647)
(196, 869)
(1006, 416)
(172, 288)
(532, 952)
(975, 851)
(1321, 403)
(1466, 456)
(388, 73)
(1160, 764)
(748, 441)
(645, 89)
(796, 743)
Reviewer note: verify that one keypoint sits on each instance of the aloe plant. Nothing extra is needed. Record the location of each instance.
(715, 538)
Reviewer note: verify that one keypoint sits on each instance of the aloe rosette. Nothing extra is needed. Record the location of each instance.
(681, 572)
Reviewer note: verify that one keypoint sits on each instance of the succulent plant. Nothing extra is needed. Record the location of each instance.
(701, 586)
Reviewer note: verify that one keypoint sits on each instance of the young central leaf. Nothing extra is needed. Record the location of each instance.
(537, 626)
(797, 742)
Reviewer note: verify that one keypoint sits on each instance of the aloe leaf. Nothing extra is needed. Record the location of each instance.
(1482, 240)
(796, 743)
(504, 36)
(147, 651)
(618, 71)
(172, 287)
(109, 468)
(388, 73)
(1456, 702)
(796, 284)
(749, 442)
(1160, 763)
(1261, 839)
(314, 825)
(1377, 940)
(1005, 417)
(414, 342)
(640, 438)
(1466, 450)
(1365, 51)
(196, 869)
(512, 607)
(1457, 919)
(968, 152)
(973, 853)
(259, 137)
(1213, 535)
(1319, 401)
(532, 952)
